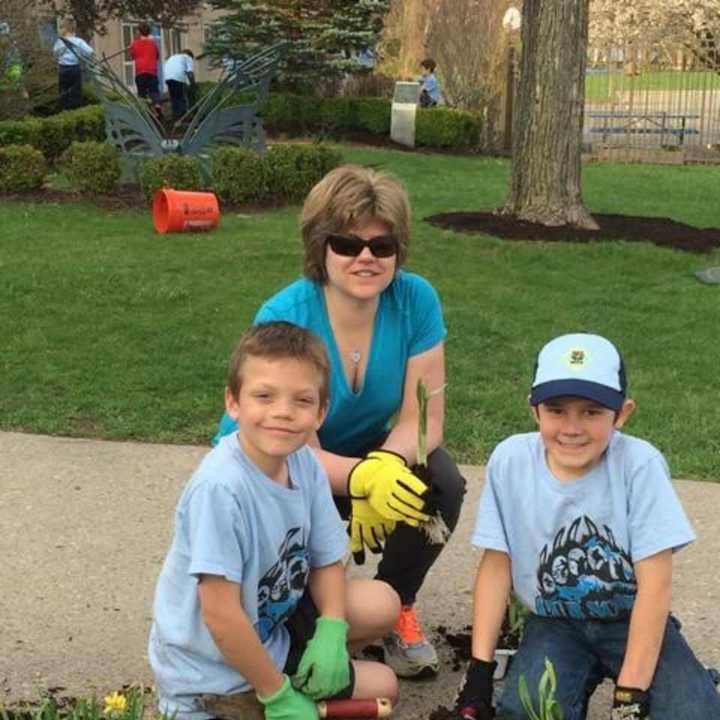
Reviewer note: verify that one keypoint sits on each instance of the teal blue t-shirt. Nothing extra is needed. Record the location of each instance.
(408, 322)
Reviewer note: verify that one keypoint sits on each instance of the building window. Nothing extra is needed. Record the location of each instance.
(172, 41)
(129, 33)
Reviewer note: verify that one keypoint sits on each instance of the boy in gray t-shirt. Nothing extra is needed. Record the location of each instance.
(581, 522)
(253, 594)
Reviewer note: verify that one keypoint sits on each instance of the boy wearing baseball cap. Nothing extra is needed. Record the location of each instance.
(581, 522)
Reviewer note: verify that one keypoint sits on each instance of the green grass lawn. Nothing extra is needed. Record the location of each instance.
(109, 330)
(600, 86)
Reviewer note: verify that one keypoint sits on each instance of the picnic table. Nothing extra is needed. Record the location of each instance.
(626, 122)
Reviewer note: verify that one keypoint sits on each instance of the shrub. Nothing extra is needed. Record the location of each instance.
(373, 115)
(53, 135)
(239, 174)
(338, 114)
(180, 172)
(293, 169)
(285, 172)
(59, 131)
(91, 167)
(293, 114)
(447, 128)
(22, 168)
(20, 132)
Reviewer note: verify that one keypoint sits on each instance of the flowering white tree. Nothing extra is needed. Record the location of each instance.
(690, 24)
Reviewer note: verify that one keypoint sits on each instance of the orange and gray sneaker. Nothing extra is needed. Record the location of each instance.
(407, 651)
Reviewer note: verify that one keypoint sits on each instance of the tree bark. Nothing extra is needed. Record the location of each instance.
(545, 185)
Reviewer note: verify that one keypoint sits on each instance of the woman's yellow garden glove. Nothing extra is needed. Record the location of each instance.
(392, 490)
(324, 668)
(367, 527)
(288, 704)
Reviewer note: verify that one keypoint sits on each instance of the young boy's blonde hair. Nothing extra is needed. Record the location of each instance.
(68, 26)
(352, 195)
(275, 340)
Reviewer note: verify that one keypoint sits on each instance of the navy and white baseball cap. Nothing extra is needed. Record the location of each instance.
(580, 365)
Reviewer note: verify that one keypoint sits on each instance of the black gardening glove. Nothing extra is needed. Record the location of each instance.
(630, 704)
(475, 699)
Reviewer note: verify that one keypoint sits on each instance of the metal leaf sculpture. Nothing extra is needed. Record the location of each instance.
(229, 114)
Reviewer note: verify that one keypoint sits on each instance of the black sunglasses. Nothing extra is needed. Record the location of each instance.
(381, 246)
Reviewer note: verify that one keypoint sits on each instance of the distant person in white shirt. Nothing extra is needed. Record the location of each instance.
(179, 78)
(69, 70)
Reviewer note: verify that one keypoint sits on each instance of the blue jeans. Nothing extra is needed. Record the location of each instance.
(584, 653)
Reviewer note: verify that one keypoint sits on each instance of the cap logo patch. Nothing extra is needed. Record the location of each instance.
(577, 359)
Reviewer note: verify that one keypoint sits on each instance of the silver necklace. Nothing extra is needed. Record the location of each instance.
(355, 360)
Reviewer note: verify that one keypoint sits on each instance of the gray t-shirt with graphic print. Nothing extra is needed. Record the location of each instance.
(233, 521)
(573, 544)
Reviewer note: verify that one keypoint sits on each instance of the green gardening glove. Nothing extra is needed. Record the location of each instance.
(390, 487)
(288, 704)
(367, 527)
(324, 668)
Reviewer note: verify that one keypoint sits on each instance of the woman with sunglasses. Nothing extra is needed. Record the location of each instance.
(384, 331)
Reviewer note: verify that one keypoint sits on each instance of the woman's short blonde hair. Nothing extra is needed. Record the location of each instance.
(352, 195)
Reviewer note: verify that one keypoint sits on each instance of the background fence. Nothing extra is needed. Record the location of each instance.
(633, 110)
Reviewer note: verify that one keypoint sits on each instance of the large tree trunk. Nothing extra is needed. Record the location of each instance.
(547, 124)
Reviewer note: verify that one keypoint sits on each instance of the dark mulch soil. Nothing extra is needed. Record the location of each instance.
(461, 644)
(124, 197)
(660, 231)
(442, 713)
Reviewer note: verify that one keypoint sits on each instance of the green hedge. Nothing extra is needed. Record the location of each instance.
(294, 115)
(53, 135)
(305, 114)
(180, 172)
(294, 169)
(443, 127)
(439, 127)
(22, 168)
(239, 175)
(285, 173)
(91, 166)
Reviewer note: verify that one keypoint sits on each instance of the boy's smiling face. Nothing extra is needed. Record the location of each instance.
(277, 409)
(576, 432)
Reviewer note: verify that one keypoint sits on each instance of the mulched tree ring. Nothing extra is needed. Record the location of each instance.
(663, 232)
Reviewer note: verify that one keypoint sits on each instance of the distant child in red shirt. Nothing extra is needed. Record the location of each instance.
(144, 52)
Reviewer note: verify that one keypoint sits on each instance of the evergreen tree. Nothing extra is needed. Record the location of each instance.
(355, 27)
(322, 34)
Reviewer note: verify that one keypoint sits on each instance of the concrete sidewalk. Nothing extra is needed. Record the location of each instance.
(84, 527)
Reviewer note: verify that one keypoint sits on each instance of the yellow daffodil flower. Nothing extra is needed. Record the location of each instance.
(115, 703)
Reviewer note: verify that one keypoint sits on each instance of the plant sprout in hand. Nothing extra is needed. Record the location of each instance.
(435, 529)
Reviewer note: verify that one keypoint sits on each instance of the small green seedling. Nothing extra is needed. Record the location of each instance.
(435, 529)
(549, 708)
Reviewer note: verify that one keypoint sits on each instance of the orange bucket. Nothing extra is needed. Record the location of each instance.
(179, 210)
